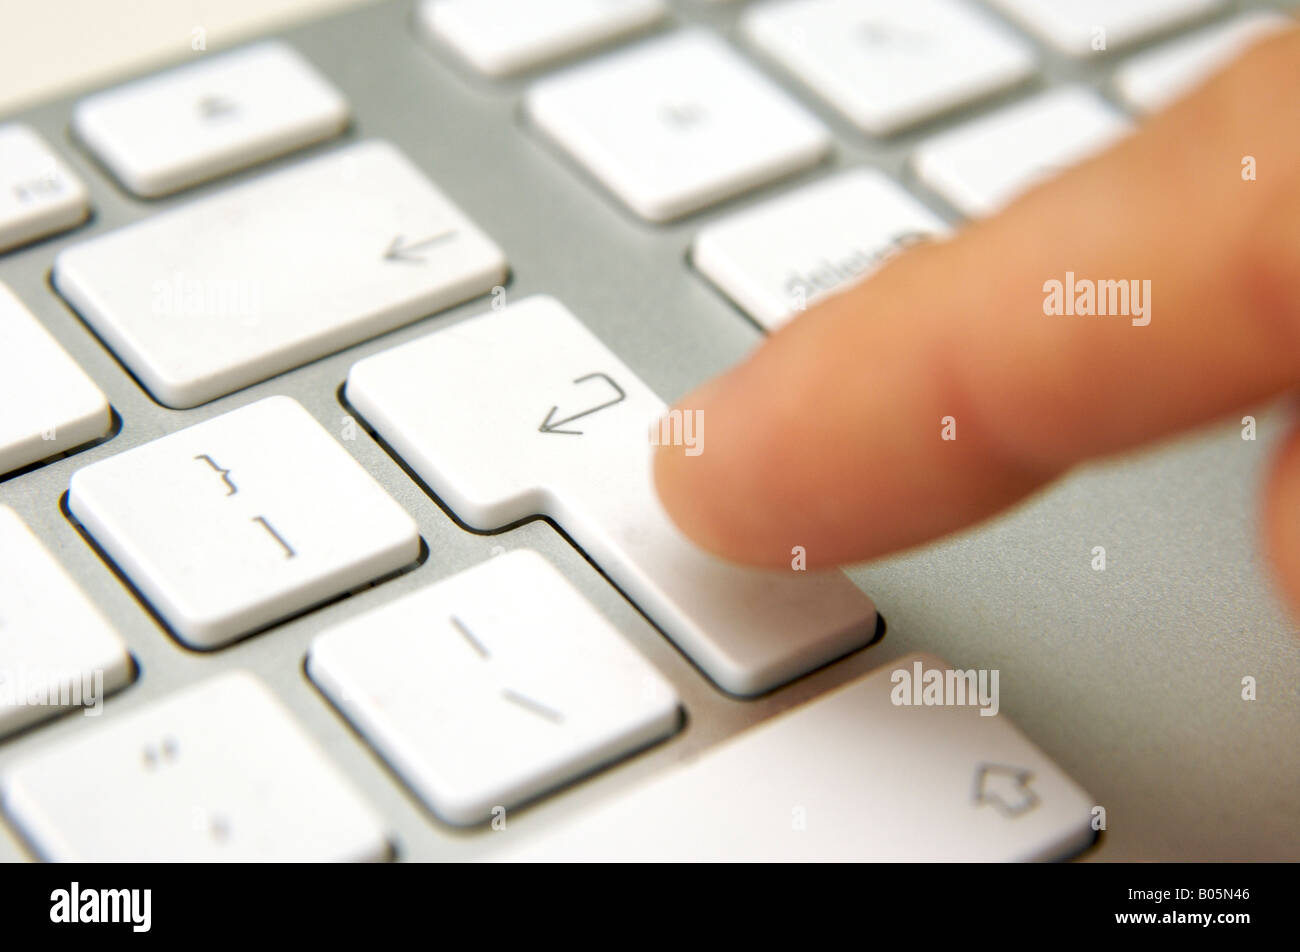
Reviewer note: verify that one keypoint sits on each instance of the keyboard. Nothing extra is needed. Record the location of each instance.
(332, 363)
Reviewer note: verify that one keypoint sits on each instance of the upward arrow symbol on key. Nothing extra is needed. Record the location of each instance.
(1005, 788)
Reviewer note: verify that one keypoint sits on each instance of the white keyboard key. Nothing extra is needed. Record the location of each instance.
(167, 132)
(56, 650)
(39, 195)
(1156, 78)
(217, 772)
(981, 166)
(237, 287)
(50, 405)
(500, 37)
(887, 65)
(780, 257)
(242, 520)
(1080, 27)
(482, 702)
(676, 123)
(563, 431)
(847, 777)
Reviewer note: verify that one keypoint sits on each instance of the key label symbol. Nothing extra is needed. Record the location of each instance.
(1005, 788)
(529, 704)
(217, 107)
(399, 249)
(882, 33)
(682, 115)
(223, 473)
(551, 425)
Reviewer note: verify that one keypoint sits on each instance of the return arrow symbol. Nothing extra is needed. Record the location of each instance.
(549, 427)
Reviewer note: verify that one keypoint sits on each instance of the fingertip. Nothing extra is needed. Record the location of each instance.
(673, 484)
(697, 485)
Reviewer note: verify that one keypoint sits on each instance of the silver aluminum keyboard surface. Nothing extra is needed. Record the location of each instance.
(1129, 679)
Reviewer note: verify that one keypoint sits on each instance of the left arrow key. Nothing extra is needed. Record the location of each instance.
(209, 297)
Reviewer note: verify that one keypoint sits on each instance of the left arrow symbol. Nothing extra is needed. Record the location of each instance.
(399, 249)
